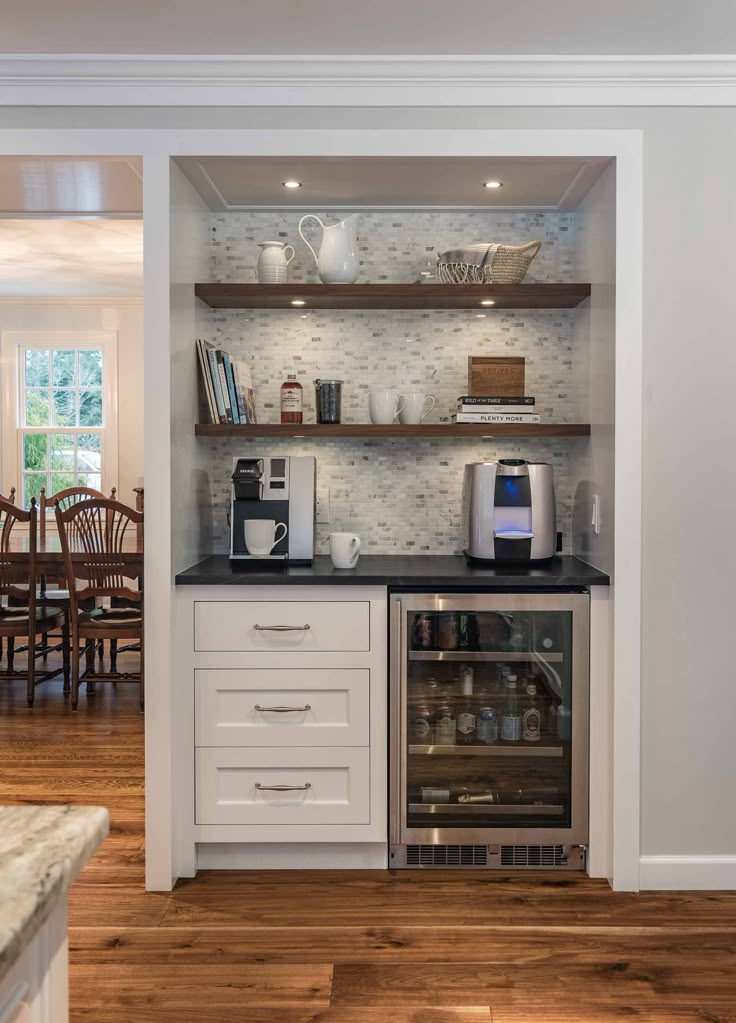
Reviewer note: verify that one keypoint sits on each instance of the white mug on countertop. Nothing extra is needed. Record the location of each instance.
(413, 411)
(344, 549)
(260, 535)
(384, 405)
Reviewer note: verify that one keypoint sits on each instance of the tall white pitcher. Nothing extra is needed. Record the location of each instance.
(337, 262)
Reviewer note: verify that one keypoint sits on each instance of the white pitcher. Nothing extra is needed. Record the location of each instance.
(337, 262)
(273, 264)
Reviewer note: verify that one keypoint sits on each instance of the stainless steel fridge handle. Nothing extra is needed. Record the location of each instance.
(283, 788)
(282, 628)
(283, 710)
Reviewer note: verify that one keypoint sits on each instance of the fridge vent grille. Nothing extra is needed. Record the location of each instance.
(532, 856)
(446, 855)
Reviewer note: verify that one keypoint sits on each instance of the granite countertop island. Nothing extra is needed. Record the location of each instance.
(42, 849)
(426, 571)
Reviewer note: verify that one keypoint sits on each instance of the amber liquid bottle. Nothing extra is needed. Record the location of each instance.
(292, 400)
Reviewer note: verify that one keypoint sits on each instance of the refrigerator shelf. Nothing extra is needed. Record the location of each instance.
(484, 655)
(522, 750)
(487, 809)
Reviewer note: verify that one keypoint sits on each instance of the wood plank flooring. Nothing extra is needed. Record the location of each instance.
(346, 947)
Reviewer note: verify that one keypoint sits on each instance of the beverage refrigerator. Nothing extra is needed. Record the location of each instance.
(489, 729)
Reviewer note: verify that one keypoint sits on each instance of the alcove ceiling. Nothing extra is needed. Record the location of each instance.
(232, 183)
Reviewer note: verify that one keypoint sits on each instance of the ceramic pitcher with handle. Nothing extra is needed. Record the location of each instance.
(273, 263)
(337, 262)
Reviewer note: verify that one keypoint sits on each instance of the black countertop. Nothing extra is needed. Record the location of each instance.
(427, 571)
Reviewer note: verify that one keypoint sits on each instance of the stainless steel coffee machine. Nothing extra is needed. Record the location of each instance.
(509, 511)
(281, 489)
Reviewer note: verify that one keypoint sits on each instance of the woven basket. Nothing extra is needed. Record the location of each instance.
(506, 264)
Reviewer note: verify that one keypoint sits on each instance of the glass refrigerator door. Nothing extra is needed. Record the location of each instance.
(491, 697)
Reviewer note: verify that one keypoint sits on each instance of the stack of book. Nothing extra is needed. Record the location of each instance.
(227, 384)
(472, 408)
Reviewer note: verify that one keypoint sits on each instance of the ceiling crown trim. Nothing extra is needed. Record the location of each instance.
(127, 80)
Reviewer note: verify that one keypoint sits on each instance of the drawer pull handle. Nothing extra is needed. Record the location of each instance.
(283, 710)
(283, 788)
(282, 628)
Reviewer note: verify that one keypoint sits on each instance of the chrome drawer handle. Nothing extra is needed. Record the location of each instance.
(283, 788)
(282, 628)
(283, 710)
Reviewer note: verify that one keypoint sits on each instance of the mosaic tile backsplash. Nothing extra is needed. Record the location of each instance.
(400, 496)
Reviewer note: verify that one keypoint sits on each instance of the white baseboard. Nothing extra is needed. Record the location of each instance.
(307, 856)
(686, 873)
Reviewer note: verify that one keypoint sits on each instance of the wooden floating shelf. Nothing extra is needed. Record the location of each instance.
(447, 431)
(392, 296)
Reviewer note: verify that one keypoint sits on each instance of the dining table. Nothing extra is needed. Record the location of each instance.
(50, 558)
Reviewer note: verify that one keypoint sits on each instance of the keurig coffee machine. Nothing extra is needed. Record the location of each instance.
(509, 511)
(278, 490)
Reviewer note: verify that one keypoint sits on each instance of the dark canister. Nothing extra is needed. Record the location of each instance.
(328, 400)
(422, 634)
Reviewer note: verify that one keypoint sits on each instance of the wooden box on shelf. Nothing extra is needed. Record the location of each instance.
(496, 374)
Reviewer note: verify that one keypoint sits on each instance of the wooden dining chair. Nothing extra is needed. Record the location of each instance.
(10, 499)
(59, 595)
(94, 535)
(24, 617)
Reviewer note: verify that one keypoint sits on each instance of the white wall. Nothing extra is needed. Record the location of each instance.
(595, 354)
(125, 317)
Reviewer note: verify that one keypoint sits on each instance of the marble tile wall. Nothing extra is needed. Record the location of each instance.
(400, 497)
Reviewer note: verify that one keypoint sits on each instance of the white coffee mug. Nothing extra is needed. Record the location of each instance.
(260, 535)
(344, 549)
(384, 405)
(414, 411)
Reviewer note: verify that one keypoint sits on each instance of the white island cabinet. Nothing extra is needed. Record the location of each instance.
(280, 712)
(42, 849)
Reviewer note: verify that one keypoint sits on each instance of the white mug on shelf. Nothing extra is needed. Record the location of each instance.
(273, 264)
(344, 549)
(413, 411)
(384, 405)
(260, 535)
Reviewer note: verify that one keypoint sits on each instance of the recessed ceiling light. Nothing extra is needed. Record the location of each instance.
(291, 183)
(493, 184)
(480, 316)
(298, 301)
(488, 301)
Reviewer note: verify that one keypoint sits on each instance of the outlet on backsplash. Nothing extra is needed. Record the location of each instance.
(323, 505)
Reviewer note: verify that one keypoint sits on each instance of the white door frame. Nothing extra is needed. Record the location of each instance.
(157, 146)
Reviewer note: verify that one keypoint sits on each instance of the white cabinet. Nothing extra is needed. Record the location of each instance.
(283, 786)
(281, 720)
(282, 707)
(35, 989)
(283, 626)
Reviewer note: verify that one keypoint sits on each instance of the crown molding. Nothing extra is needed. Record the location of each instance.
(165, 80)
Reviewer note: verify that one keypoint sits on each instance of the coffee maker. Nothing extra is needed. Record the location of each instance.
(282, 489)
(509, 511)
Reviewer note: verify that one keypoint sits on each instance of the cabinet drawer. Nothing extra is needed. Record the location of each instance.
(316, 707)
(305, 626)
(316, 786)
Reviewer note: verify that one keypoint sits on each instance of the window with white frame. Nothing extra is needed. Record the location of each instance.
(59, 426)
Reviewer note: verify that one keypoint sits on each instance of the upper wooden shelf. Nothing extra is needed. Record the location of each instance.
(392, 296)
(446, 430)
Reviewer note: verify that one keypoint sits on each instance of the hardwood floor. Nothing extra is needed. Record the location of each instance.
(346, 947)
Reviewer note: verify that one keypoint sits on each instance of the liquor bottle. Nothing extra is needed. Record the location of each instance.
(292, 400)
(531, 722)
(511, 718)
(445, 725)
(466, 713)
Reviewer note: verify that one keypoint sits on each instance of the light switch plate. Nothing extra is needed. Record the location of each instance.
(323, 505)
